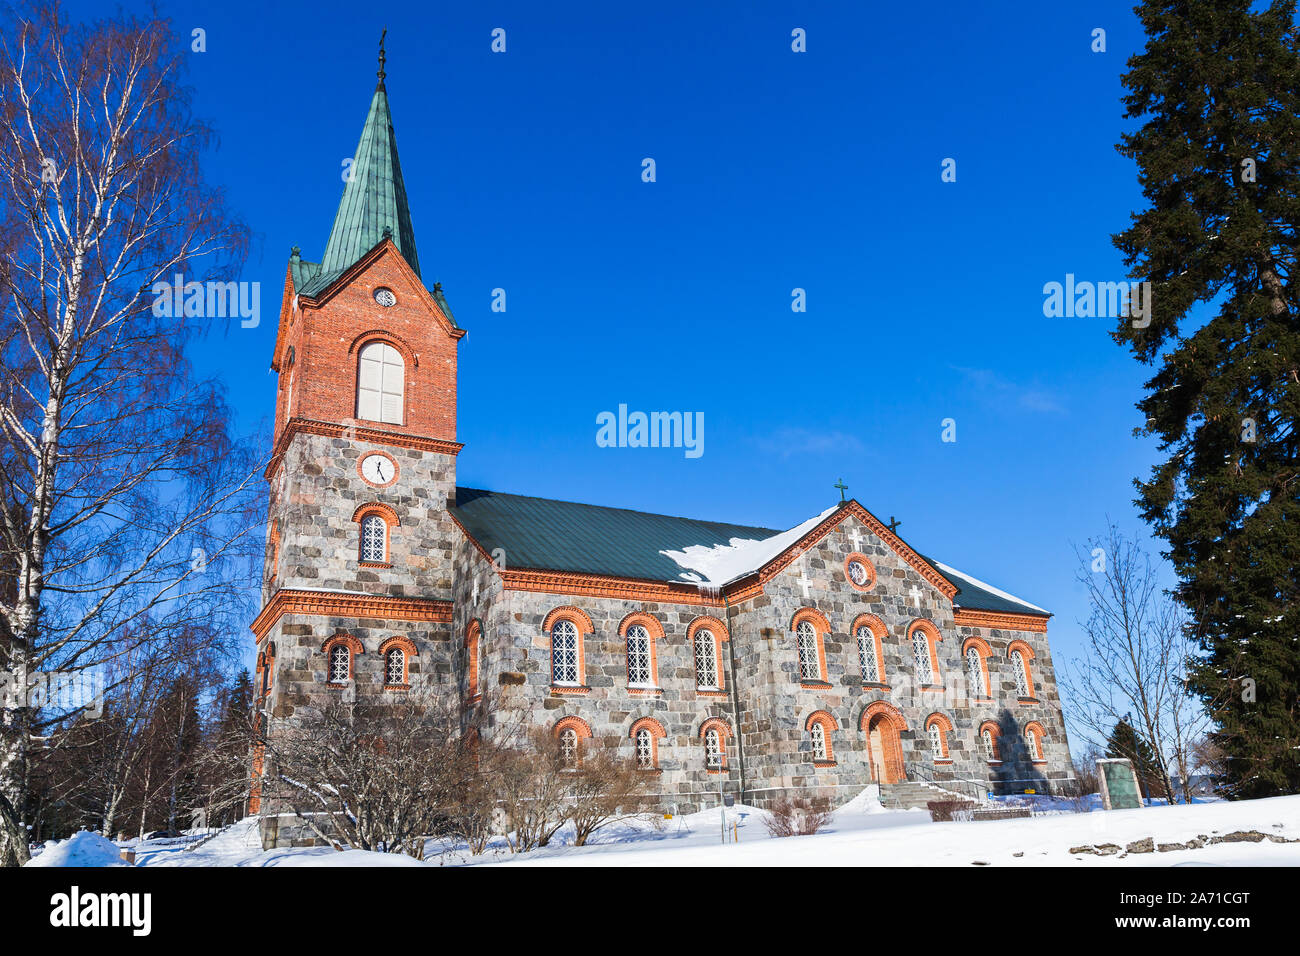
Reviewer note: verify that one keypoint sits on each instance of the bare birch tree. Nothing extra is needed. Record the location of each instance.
(1134, 664)
(124, 504)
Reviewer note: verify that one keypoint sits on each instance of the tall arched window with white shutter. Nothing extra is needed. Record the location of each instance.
(380, 379)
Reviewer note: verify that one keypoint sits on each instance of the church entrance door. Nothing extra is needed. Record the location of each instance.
(886, 750)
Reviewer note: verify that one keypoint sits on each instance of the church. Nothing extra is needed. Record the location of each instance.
(818, 660)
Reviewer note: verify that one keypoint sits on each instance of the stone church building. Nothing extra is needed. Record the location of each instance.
(820, 659)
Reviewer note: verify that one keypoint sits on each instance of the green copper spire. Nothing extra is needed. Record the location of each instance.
(374, 201)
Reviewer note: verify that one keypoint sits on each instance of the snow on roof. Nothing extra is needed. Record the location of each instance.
(718, 565)
(945, 569)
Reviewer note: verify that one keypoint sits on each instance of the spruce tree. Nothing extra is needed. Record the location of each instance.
(1217, 89)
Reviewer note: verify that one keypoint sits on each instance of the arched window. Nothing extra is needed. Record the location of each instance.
(645, 749)
(706, 660)
(380, 375)
(638, 656)
(340, 664)
(473, 635)
(712, 749)
(818, 734)
(936, 741)
(569, 747)
(1034, 742)
(809, 667)
(938, 727)
(867, 658)
(646, 734)
(564, 652)
(921, 654)
(374, 539)
(1020, 670)
(989, 734)
(395, 667)
(974, 673)
(715, 733)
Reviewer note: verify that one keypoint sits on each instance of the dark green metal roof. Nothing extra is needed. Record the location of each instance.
(587, 539)
(544, 534)
(374, 203)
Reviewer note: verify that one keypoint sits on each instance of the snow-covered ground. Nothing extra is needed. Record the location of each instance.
(862, 833)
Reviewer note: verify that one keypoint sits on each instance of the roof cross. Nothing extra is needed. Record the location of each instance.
(839, 483)
(382, 58)
(893, 524)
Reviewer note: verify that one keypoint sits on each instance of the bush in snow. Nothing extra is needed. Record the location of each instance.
(81, 849)
(798, 816)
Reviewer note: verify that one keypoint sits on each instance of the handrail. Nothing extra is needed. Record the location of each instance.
(977, 790)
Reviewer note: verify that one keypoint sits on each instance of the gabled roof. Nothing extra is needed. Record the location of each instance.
(374, 205)
(545, 534)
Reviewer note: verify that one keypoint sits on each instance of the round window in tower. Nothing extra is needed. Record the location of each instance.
(385, 297)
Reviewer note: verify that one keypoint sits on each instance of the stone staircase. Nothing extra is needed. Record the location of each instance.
(914, 794)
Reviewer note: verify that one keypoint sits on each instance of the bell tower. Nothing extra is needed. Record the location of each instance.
(357, 583)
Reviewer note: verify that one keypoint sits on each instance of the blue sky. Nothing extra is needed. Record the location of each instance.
(775, 170)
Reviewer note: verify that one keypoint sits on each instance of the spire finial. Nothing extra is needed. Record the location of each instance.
(382, 58)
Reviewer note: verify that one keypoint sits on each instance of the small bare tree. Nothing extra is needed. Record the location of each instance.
(604, 789)
(376, 774)
(797, 816)
(533, 781)
(1134, 665)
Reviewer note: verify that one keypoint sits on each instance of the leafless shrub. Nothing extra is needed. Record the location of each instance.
(797, 816)
(602, 790)
(945, 811)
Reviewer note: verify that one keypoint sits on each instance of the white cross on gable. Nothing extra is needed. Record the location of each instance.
(474, 598)
(915, 594)
(803, 582)
(856, 537)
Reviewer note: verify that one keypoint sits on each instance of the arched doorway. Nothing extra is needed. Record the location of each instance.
(882, 724)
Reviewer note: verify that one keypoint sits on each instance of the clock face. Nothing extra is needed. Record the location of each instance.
(378, 469)
(385, 297)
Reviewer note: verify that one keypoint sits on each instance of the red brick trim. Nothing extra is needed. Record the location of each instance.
(878, 632)
(354, 647)
(580, 620)
(379, 508)
(932, 637)
(945, 727)
(657, 733)
(575, 723)
(821, 627)
(719, 632)
(1040, 740)
(473, 634)
(724, 735)
(360, 433)
(1001, 621)
(397, 470)
(334, 604)
(575, 614)
(890, 715)
(828, 724)
(866, 563)
(1027, 655)
(391, 338)
(996, 733)
(981, 646)
(655, 630)
(408, 649)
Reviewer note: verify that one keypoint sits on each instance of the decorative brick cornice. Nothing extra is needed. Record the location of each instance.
(348, 604)
(1001, 620)
(604, 586)
(375, 436)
